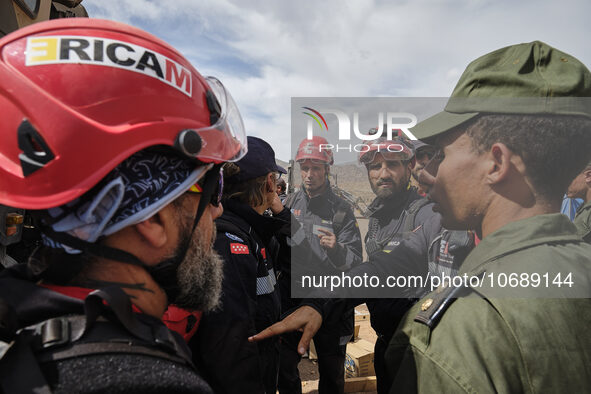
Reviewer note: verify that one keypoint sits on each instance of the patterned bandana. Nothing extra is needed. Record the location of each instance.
(134, 191)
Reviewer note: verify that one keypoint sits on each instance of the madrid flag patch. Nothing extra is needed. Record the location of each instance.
(239, 249)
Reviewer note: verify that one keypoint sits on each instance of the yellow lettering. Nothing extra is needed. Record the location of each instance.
(41, 49)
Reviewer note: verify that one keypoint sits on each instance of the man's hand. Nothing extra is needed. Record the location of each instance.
(305, 319)
(327, 239)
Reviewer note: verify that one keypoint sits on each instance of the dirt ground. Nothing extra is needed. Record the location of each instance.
(309, 368)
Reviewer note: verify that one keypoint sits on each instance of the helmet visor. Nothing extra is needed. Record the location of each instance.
(225, 140)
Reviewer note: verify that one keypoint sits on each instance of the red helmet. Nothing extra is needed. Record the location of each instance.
(317, 149)
(79, 96)
(396, 149)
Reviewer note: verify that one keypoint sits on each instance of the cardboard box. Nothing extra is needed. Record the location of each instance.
(356, 331)
(361, 316)
(359, 359)
(364, 384)
(312, 355)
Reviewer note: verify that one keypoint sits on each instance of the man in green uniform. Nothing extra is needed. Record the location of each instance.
(520, 322)
(580, 187)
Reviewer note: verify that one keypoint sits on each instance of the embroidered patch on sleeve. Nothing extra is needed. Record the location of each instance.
(239, 249)
(234, 237)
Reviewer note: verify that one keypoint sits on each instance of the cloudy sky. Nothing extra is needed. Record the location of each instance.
(266, 52)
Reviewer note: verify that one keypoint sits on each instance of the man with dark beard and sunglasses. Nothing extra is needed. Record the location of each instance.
(248, 242)
(396, 211)
(125, 188)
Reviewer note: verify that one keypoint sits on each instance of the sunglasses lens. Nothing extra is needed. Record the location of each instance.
(216, 197)
(196, 188)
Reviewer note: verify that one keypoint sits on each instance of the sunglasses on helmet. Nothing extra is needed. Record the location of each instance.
(389, 151)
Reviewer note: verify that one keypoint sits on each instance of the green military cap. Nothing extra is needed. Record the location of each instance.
(531, 78)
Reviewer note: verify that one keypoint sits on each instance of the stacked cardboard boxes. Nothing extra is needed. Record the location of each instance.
(359, 359)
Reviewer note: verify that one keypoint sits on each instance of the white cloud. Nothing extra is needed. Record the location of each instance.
(267, 52)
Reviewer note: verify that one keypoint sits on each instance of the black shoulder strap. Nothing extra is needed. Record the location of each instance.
(435, 305)
(61, 338)
(20, 371)
(338, 219)
(411, 213)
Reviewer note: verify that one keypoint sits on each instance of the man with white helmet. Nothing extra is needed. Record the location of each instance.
(116, 142)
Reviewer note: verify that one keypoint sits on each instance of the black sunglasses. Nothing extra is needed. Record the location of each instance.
(216, 197)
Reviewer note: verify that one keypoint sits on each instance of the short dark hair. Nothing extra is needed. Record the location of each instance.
(553, 148)
(281, 184)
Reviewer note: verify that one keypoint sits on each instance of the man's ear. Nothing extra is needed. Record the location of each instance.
(153, 230)
(587, 173)
(498, 163)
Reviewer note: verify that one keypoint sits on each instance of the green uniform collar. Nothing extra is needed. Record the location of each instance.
(583, 207)
(519, 235)
(583, 221)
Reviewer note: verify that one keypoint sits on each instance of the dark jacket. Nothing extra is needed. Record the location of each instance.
(323, 211)
(389, 220)
(437, 250)
(428, 250)
(250, 302)
(116, 372)
(320, 212)
(388, 217)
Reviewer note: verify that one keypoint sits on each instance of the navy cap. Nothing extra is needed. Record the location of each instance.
(258, 161)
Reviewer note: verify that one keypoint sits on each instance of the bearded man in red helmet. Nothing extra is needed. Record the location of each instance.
(397, 211)
(335, 244)
(120, 163)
